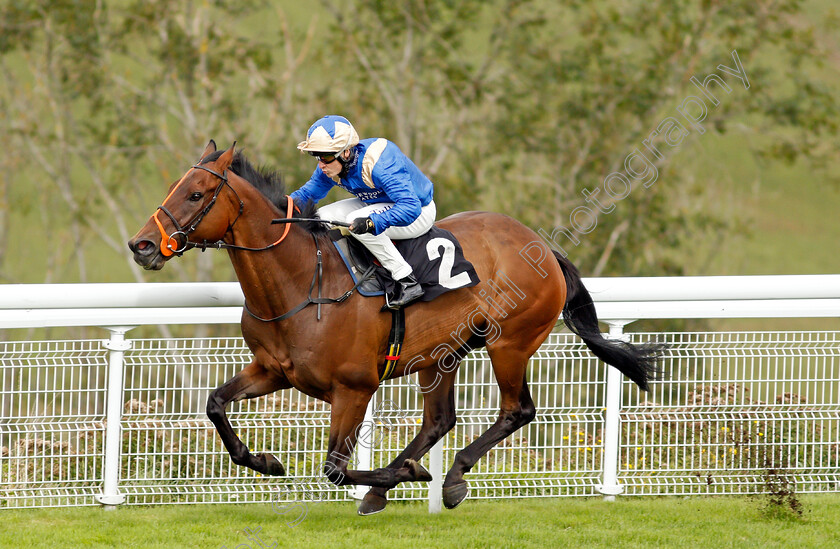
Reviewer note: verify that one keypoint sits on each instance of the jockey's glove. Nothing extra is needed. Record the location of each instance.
(362, 225)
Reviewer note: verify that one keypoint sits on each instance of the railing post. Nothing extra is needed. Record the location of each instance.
(609, 486)
(364, 449)
(436, 484)
(116, 345)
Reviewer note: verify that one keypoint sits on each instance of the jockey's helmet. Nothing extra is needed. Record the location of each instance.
(330, 134)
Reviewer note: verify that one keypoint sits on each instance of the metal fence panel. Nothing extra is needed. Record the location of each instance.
(740, 413)
(52, 407)
(736, 412)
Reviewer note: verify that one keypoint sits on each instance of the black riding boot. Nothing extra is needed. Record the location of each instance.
(408, 290)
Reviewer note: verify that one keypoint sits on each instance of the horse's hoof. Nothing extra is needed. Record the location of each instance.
(272, 466)
(372, 504)
(455, 494)
(418, 472)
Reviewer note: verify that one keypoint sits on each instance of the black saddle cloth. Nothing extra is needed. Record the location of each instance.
(436, 257)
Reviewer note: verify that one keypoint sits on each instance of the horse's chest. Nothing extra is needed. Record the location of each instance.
(296, 367)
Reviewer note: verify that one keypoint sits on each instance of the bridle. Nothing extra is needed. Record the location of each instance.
(166, 247)
(168, 250)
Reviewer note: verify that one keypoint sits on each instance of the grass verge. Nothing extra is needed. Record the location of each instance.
(629, 522)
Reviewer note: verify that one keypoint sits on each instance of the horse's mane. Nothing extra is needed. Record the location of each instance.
(270, 183)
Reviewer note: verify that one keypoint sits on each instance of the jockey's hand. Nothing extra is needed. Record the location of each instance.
(362, 225)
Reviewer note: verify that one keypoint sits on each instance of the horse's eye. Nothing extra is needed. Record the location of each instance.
(195, 197)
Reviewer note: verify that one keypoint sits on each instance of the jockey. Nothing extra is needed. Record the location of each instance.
(393, 197)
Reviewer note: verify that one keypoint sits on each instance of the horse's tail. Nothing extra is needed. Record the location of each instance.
(638, 362)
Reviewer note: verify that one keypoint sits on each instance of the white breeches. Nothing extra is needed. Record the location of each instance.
(380, 245)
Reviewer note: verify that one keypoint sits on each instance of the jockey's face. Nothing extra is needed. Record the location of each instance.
(332, 169)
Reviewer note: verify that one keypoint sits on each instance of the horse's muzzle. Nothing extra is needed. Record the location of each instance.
(146, 254)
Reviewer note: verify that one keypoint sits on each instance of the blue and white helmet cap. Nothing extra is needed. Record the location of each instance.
(331, 133)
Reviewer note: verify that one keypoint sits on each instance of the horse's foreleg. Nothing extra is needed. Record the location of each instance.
(253, 381)
(347, 411)
(438, 419)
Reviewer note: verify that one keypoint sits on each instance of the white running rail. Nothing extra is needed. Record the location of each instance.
(75, 428)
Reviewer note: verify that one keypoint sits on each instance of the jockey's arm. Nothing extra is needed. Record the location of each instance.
(394, 180)
(315, 189)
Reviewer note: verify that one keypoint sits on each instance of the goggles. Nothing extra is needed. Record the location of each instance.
(325, 157)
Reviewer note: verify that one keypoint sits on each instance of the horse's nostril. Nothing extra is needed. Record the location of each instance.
(143, 247)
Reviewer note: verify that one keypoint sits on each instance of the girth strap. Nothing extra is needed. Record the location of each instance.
(395, 340)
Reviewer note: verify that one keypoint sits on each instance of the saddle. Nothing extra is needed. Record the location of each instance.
(359, 262)
(437, 261)
(436, 258)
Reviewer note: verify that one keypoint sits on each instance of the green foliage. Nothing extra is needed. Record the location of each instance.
(509, 105)
(596, 83)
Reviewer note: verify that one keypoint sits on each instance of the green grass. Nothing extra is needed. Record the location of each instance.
(628, 522)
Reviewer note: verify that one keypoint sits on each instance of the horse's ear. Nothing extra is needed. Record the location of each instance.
(210, 148)
(225, 160)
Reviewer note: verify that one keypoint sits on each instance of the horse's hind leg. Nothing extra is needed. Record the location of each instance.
(517, 410)
(253, 381)
(438, 390)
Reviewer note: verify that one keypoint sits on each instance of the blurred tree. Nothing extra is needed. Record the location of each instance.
(510, 105)
(418, 73)
(519, 106)
(587, 83)
(57, 42)
(108, 105)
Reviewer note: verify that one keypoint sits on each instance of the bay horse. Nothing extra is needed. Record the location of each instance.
(337, 355)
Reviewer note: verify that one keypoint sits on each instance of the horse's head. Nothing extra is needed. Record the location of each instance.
(192, 212)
